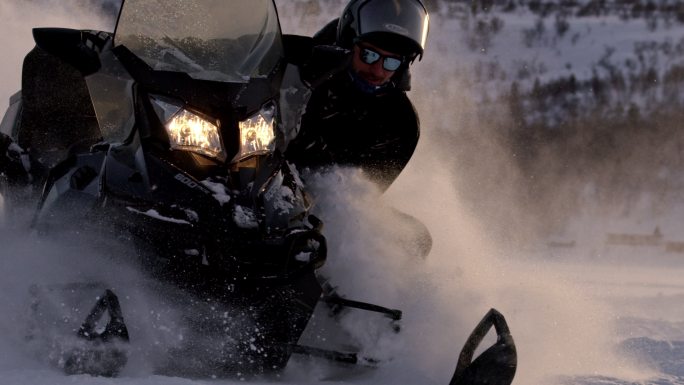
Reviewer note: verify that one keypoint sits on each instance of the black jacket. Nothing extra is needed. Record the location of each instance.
(344, 126)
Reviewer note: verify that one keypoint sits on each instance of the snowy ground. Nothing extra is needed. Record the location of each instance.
(581, 313)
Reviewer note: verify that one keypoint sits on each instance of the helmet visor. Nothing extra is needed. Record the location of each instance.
(407, 18)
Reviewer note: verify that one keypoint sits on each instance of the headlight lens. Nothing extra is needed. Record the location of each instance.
(188, 131)
(191, 132)
(257, 133)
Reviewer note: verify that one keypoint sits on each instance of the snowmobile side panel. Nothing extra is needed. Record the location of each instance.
(57, 116)
(111, 90)
(72, 189)
(10, 121)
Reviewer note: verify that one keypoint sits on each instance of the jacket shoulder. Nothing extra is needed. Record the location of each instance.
(327, 35)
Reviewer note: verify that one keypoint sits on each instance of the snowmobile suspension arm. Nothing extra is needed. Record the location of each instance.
(394, 314)
(332, 355)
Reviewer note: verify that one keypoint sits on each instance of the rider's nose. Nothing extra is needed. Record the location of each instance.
(377, 69)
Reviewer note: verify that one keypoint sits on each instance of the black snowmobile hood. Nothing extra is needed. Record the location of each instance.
(210, 53)
(214, 97)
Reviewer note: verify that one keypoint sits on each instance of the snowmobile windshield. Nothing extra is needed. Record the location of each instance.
(216, 40)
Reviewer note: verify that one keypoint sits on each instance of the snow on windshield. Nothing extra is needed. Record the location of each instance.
(208, 39)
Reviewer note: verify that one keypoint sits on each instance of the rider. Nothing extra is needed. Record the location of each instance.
(361, 116)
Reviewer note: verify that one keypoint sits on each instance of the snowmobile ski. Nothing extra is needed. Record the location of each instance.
(497, 364)
(99, 356)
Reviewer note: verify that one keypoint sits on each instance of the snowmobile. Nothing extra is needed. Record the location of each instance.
(170, 132)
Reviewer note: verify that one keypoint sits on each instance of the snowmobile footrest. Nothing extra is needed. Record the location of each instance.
(394, 314)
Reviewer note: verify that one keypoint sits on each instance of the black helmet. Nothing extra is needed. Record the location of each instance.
(398, 26)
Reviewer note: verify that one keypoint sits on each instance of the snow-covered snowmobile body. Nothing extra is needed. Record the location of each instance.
(169, 132)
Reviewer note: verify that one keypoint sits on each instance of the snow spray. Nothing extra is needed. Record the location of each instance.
(27, 258)
(476, 262)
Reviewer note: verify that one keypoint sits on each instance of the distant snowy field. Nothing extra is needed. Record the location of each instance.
(582, 311)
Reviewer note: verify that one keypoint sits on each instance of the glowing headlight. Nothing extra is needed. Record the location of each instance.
(188, 131)
(257, 133)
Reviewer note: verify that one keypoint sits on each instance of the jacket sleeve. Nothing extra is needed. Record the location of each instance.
(308, 149)
(402, 132)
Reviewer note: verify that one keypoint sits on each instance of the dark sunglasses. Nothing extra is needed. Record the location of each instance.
(390, 63)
